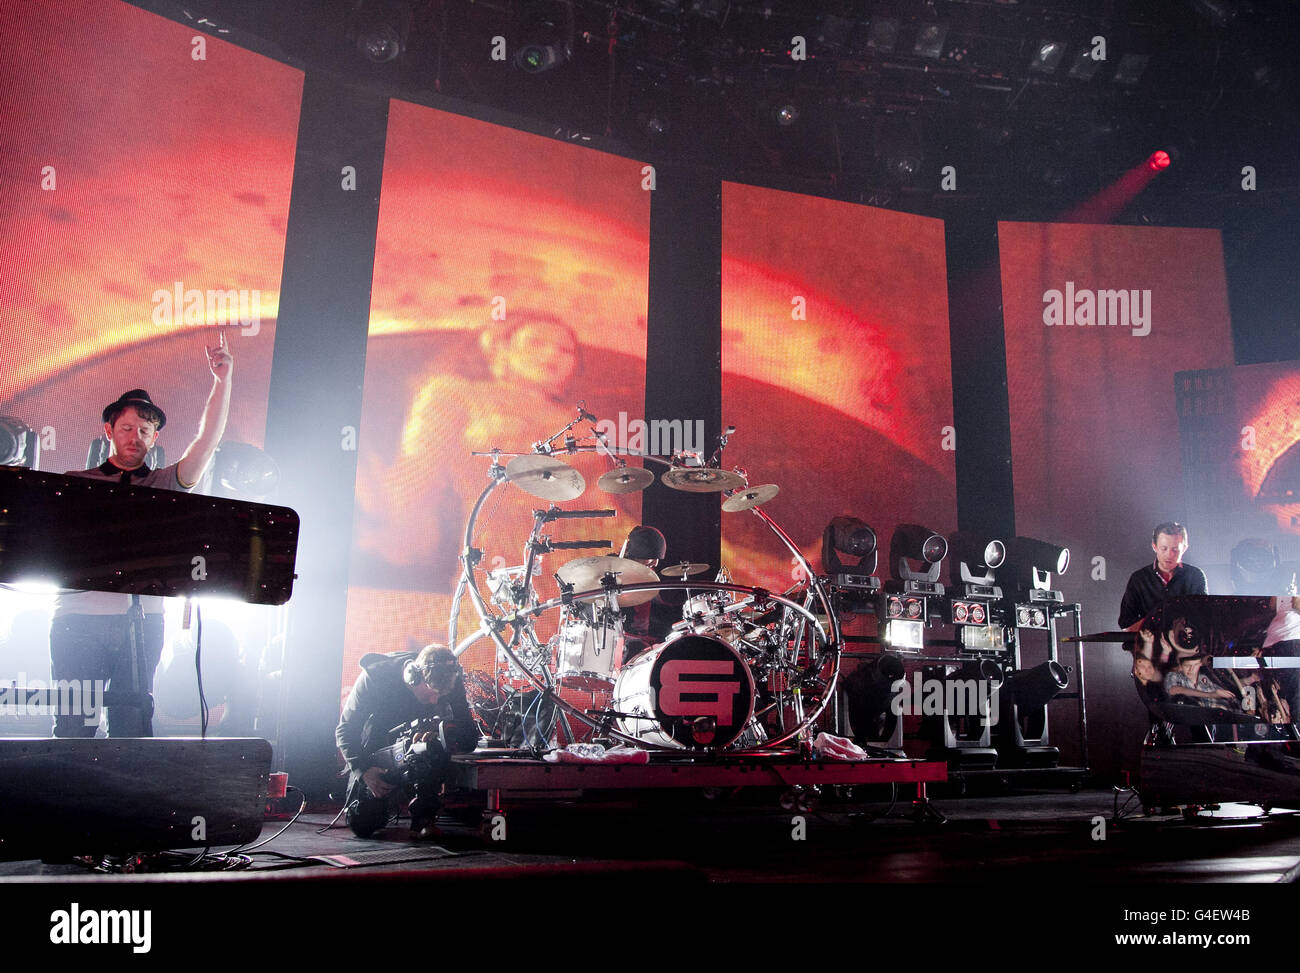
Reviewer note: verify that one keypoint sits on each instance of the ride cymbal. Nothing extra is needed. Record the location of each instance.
(750, 497)
(695, 479)
(546, 477)
(585, 573)
(682, 570)
(625, 479)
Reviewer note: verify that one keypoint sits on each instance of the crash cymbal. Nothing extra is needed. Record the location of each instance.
(696, 479)
(546, 477)
(626, 479)
(682, 570)
(750, 497)
(585, 573)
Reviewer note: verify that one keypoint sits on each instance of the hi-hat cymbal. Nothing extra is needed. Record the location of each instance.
(696, 479)
(682, 570)
(750, 497)
(585, 573)
(546, 477)
(626, 479)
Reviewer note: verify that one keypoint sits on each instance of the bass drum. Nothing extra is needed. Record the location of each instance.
(692, 692)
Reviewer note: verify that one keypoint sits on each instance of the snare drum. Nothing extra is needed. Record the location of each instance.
(694, 691)
(588, 654)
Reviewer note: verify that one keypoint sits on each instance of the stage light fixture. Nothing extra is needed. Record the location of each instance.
(912, 542)
(1033, 562)
(19, 444)
(852, 537)
(974, 558)
(381, 28)
(244, 472)
(548, 38)
(1047, 57)
(1159, 160)
(1085, 66)
(1131, 68)
(929, 40)
(786, 114)
(869, 692)
(1036, 687)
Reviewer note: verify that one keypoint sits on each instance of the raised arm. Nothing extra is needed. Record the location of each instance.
(213, 424)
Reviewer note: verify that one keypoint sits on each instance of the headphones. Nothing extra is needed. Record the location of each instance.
(439, 674)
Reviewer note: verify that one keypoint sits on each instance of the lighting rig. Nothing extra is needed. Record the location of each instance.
(904, 607)
(1032, 604)
(973, 608)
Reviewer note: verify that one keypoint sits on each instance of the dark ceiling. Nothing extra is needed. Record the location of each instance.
(871, 114)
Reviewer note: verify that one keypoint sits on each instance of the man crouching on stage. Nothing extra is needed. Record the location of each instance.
(407, 714)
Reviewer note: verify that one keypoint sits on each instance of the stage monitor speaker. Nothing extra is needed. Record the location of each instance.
(131, 795)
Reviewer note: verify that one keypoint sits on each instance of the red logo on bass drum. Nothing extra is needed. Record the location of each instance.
(672, 686)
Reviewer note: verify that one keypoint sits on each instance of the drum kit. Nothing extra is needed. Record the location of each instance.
(743, 670)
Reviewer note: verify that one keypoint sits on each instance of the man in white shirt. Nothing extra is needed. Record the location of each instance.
(90, 635)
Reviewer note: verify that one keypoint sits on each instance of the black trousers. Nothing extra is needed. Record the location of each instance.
(97, 647)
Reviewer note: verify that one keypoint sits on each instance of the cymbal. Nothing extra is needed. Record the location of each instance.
(546, 477)
(585, 573)
(750, 497)
(682, 570)
(625, 479)
(696, 479)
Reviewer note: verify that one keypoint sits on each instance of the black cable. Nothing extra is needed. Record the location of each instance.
(302, 807)
(198, 670)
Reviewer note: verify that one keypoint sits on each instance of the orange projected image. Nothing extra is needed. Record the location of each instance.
(1240, 431)
(836, 372)
(510, 284)
(1094, 424)
(140, 172)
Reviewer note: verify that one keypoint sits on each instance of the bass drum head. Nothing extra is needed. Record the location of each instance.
(698, 689)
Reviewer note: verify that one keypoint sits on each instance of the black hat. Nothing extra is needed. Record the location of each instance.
(644, 544)
(135, 397)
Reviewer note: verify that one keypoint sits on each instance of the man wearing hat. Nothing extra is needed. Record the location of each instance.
(90, 635)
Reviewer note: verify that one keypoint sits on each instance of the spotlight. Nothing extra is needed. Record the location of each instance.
(852, 585)
(975, 557)
(912, 542)
(1036, 687)
(381, 28)
(1047, 57)
(19, 444)
(929, 41)
(869, 692)
(1130, 68)
(549, 38)
(1159, 160)
(244, 472)
(786, 115)
(848, 535)
(1085, 66)
(1033, 562)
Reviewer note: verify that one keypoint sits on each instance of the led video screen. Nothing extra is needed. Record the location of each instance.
(836, 372)
(1099, 319)
(146, 201)
(510, 284)
(1240, 431)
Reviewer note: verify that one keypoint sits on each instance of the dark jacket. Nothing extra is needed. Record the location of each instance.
(380, 700)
